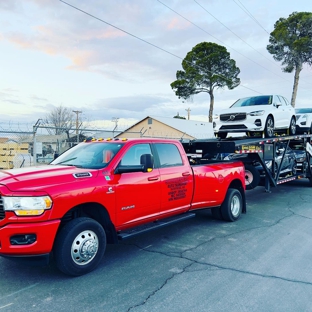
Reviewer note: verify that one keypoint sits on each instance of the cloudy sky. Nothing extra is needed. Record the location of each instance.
(117, 58)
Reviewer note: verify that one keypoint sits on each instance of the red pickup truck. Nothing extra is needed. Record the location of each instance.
(102, 191)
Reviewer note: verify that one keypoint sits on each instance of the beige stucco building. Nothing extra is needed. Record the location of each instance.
(166, 127)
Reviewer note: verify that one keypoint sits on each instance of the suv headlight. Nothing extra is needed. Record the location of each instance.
(256, 113)
(27, 206)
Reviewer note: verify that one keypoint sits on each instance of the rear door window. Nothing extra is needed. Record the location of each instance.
(168, 154)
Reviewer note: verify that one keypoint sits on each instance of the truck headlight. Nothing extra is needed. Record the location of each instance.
(216, 117)
(27, 206)
(256, 113)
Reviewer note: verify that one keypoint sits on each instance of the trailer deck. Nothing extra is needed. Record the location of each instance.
(264, 158)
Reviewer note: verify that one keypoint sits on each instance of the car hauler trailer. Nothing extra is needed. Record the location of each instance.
(264, 158)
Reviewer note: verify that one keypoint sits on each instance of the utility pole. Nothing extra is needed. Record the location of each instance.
(188, 113)
(115, 120)
(35, 128)
(77, 121)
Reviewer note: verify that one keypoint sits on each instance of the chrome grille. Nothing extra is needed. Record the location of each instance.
(2, 213)
(233, 117)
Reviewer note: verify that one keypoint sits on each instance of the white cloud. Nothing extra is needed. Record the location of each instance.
(53, 54)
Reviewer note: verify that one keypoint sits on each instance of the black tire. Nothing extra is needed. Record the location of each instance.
(216, 213)
(80, 246)
(252, 177)
(292, 126)
(232, 205)
(269, 127)
(222, 135)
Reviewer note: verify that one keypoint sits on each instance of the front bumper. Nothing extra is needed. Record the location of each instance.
(43, 232)
(250, 124)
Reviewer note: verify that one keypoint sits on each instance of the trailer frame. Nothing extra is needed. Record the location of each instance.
(259, 151)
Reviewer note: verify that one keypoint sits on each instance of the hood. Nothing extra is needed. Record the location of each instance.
(245, 109)
(39, 177)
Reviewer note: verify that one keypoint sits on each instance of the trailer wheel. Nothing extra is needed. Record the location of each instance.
(252, 177)
(269, 127)
(79, 246)
(232, 205)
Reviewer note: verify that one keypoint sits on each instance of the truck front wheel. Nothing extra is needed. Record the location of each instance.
(80, 246)
(232, 206)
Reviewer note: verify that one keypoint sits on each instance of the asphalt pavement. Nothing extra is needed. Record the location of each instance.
(262, 262)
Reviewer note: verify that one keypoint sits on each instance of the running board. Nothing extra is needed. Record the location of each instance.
(154, 225)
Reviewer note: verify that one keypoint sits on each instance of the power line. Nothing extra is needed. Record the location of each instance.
(235, 33)
(253, 18)
(145, 41)
(220, 40)
(249, 14)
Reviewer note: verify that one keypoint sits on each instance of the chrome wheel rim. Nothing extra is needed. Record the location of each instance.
(248, 177)
(270, 127)
(235, 206)
(84, 247)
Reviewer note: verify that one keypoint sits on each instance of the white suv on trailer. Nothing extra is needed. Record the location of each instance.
(257, 114)
(304, 120)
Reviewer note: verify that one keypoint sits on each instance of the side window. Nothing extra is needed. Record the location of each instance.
(133, 155)
(169, 155)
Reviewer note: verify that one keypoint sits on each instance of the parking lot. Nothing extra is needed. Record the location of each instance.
(260, 263)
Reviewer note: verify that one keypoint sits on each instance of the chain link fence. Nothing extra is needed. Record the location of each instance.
(41, 145)
(24, 148)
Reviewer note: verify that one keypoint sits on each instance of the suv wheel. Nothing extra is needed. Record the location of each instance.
(292, 127)
(269, 127)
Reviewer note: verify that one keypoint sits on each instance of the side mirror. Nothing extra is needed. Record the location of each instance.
(147, 161)
(127, 169)
(146, 165)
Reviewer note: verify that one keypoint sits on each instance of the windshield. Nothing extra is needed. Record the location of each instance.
(255, 100)
(303, 110)
(91, 155)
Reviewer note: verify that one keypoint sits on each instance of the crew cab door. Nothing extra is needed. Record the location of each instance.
(176, 179)
(137, 193)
